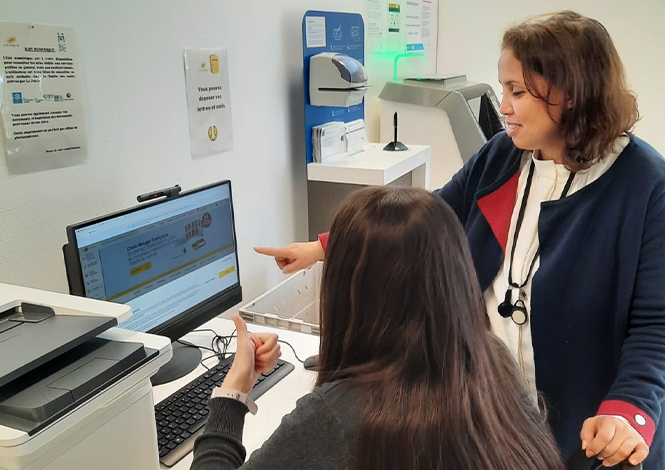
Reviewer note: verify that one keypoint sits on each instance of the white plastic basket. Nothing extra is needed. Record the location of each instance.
(291, 305)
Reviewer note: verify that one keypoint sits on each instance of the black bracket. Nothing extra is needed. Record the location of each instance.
(168, 192)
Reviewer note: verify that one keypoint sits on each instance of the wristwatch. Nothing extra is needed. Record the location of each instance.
(223, 392)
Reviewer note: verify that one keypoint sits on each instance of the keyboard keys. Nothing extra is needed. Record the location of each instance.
(196, 426)
(183, 415)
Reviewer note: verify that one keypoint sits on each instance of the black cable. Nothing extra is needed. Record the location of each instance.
(206, 358)
(185, 343)
(222, 352)
(219, 353)
(292, 349)
(203, 330)
(225, 343)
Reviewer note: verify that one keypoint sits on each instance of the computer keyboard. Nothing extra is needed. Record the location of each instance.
(182, 416)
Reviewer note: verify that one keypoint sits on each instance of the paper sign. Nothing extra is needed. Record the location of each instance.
(208, 101)
(315, 32)
(41, 98)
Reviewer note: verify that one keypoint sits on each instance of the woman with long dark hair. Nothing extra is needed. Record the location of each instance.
(410, 376)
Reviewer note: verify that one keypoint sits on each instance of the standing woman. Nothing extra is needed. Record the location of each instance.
(565, 215)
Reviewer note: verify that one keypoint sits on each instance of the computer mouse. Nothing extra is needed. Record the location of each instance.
(311, 362)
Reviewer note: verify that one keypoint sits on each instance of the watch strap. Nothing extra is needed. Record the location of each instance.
(225, 392)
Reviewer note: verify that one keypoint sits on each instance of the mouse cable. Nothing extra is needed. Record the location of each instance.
(292, 349)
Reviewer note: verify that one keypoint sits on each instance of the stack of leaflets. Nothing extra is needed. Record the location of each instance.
(328, 141)
(337, 139)
(356, 136)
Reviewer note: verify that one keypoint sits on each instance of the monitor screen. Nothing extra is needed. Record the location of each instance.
(174, 261)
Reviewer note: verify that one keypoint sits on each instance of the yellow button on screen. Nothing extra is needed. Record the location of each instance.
(139, 269)
(227, 271)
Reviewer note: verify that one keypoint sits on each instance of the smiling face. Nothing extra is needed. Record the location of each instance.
(531, 122)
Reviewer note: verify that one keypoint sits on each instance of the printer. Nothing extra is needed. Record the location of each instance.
(336, 80)
(75, 390)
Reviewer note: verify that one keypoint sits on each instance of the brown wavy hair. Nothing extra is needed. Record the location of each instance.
(403, 322)
(576, 55)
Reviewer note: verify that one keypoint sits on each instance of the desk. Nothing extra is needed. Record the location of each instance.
(330, 183)
(375, 166)
(274, 404)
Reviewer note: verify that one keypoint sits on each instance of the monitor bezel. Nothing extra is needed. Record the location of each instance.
(191, 318)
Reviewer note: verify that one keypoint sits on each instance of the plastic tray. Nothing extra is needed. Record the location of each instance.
(291, 305)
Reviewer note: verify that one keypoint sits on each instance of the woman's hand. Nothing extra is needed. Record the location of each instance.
(255, 353)
(294, 256)
(612, 440)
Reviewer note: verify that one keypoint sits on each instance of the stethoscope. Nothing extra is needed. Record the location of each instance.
(517, 311)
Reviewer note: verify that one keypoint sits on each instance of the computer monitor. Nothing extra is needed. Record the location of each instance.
(174, 261)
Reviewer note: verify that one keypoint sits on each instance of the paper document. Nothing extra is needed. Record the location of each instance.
(41, 98)
(356, 136)
(328, 141)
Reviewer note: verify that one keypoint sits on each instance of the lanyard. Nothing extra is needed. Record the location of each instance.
(517, 311)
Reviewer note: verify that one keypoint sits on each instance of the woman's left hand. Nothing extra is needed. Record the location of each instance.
(612, 440)
(255, 353)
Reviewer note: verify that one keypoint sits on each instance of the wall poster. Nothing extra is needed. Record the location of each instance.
(41, 98)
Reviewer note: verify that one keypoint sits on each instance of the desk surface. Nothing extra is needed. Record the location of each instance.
(275, 403)
(372, 166)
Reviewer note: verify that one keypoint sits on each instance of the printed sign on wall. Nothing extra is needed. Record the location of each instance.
(208, 101)
(41, 98)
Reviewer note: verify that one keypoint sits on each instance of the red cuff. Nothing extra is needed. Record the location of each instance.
(637, 418)
(323, 238)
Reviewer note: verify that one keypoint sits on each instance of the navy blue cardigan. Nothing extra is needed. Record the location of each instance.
(598, 297)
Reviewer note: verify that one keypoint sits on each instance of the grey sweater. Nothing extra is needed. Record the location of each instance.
(316, 435)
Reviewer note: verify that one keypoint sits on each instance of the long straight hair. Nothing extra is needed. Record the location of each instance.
(403, 321)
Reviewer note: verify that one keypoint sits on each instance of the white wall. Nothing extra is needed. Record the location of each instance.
(133, 81)
(470, 35)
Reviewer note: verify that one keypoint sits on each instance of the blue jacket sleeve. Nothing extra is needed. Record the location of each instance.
(455, 190)
(638, 392)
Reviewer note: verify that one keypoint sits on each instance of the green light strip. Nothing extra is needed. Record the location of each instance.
(399, 56)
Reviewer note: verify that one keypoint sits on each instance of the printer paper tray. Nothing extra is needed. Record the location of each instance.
(38, 399)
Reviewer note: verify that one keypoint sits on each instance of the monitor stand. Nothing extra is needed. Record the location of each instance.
(185, 359)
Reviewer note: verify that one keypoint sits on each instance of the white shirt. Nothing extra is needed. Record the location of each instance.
(547, 184)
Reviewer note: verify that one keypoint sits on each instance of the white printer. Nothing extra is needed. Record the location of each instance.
(75, 392)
